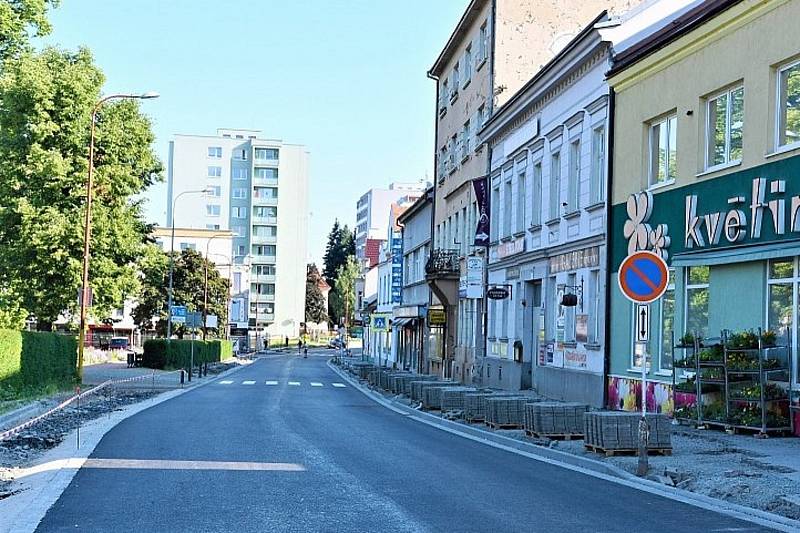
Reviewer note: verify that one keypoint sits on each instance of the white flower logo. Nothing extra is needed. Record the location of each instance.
(659, 241)
(636, 229)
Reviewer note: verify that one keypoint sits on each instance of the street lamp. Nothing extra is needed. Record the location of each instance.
(205, 283)
(87, 226)
(172, 256)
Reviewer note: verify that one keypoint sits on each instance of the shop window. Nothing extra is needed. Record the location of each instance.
(697, 300)
(667, 329)
(782, 307)
(663, 151)
(594, 307)
(789, 105)
(724, 122)
(569, 312)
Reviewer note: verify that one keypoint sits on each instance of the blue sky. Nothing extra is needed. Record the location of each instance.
(345, 78)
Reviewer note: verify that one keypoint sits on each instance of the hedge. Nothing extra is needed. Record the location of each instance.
(33, 361)
(161, 353)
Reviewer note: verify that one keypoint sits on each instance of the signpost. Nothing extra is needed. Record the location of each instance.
(497, 293)
(643, 278)
(178, 313)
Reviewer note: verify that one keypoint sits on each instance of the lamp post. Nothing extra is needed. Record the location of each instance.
(205, 282)
(172, 256)
(87, 226)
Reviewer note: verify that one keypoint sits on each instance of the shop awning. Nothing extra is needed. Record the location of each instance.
(738, 254)
(402, 321)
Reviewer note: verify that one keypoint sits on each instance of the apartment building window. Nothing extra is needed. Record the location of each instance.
(555, 185)
(240, 173)
(239, 193)
(215, 152)
(507, 204)
(240, 154)
(264, 249)
(442, 163)
(267, 154)
(483, 44)
(521, 193)
(212, 210)
(536, 194)
(574, 184)
(597, 186)
(789, 105)
(456, 79)
(214, 190)
(265, 192)
(239, 231)
(212, 226)
(214, 172)
(445, 95)
(241, 250)
(264, 270)
(697, 300)
(262, 288)
(663, 151)
(266, 173)
(451, 152)
(467, 65)
(265, 231)
(238, 212)
(465, 141)
(725, 119)
(265, 212)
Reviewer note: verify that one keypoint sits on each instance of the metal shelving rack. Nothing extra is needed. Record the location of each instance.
(687, 362)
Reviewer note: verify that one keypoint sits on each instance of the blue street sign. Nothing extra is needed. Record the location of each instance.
(643, 277)
(178, 313)
(194, 320)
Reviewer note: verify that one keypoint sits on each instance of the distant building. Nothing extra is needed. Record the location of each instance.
(259, 191)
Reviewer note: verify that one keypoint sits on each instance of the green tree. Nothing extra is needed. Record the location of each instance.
(341, 245)
(46, 100)
(344, 297)
(315, 300)
(19, 19)
(189, 277)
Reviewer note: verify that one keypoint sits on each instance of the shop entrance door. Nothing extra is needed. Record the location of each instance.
(532, 322)
(783, 309)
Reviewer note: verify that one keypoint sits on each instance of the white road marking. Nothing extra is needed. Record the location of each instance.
(316, 384)
(272, 382)
(248, 382)
(294, 383)
(156, 464)
(226, 382)
(339, 385)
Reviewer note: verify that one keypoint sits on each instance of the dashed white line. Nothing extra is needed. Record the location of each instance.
(272, 382)
(339, 385)
(248, 382)
(294, 383)
(316, 384)
(226, 382)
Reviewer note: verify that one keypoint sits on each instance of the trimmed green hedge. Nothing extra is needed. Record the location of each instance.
(160, 353)
(33, 361)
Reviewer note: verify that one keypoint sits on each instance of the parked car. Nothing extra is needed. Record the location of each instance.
(335, 343)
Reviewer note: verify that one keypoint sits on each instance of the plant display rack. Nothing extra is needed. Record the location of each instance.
(739, 381)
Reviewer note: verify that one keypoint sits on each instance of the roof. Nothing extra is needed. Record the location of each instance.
(688, 21)
(462, 28)
(199, 233)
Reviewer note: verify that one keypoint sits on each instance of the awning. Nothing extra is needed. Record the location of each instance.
(737, 254)
(401, 321)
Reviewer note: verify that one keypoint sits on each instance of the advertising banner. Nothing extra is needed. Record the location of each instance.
(481, 187)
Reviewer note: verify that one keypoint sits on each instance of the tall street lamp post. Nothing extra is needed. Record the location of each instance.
(205, 283)
(172, 257)
(87, 226)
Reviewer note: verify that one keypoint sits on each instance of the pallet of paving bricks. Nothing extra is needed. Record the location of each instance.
(396, 382)
(453, 398)
(432, 396)
(475, 404)
(404, 382)
(506, 412)
(555, 420)
(391, 381)
(617, 432)
(364, 370)
(418, 387)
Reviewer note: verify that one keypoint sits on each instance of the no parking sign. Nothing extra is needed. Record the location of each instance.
(643, 277)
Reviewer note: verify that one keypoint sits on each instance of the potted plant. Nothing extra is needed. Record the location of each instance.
(686, 340)
(769, 337)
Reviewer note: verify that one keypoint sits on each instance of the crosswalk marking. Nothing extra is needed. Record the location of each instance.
(248, 382)
(275, 382)
(316, 384)
(294, 383)
(339, 385)
(272, 382)
(226, 382)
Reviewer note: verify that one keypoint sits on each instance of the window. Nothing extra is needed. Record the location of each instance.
(667, 329)
(573, 194)
(442, 163)
(697, 300)
(593, 326)
(569, 312)
(212, 210)
(240, 154)
(597, 186)
(507, 204)
(263, 249)
(266, 173)
(454, 83)
(451, 152)
(241, 250)
(555, 185)
(238, 212)
(725, 118)
(188, 246)
(214, 172)
(239, 193)
(265, 212)
(214, 190)
(262, 288)
(267, 154)
(212, 226)
(521, 201)
(789, 105)
(494, 212)
(536, 211)
(239, 231)
(264, 270)
(265, 192)
(265, 231)
(215, 152)
(240, 173)
(663, 151)
(782, 308)
(465, 141)
(483, 44)
(467, 65)
(445, 94)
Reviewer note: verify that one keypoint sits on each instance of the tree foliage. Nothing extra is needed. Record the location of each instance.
(188, 280)
(341, 245)
(46, 100)
(344, 298)
(315, 301)
(19, 19)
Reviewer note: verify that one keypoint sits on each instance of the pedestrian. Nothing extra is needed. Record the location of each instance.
(299, 345)
(286, 344)
(305, 351)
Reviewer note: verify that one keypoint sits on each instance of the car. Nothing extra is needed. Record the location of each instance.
(335, 343)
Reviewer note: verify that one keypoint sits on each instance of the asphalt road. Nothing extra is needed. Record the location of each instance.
(326, 458)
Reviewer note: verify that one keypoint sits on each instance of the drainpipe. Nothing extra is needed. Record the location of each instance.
(609, 239)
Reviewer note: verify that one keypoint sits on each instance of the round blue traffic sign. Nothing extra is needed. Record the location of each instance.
(643, 277)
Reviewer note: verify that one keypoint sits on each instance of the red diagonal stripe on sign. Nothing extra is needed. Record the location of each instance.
(642, 275)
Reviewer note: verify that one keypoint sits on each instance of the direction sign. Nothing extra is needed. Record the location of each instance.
(178, 314)
(643, 277)
(642, 322)
(194, 320)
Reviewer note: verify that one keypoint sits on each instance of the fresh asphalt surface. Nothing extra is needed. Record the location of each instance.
(366, 469)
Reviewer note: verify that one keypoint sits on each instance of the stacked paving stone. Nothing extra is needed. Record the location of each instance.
(555, 419)
(364, 370)
(453, 397)
(372, 376)
(391, 381)
(432, 396)
(475, 404)
(619, 431)
(506, 412)
(404, 382)
(417, 387)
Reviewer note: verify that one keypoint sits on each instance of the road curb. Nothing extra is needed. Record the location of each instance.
(583, 465)
(55, 469)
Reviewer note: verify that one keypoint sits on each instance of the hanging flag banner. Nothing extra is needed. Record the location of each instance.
(481, 185)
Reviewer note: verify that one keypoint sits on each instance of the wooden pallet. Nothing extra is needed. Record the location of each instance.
(627, 451)
(494, 425)
(555, 436)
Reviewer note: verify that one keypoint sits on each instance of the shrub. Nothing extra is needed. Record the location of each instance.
(34, 362)
(177, 353)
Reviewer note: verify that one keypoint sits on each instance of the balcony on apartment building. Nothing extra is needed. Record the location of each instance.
(266, 155)
(443, 264)
(261, 298)
(256, 238)
(265, 196)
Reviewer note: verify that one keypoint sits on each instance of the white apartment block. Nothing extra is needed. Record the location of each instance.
(258, 191)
